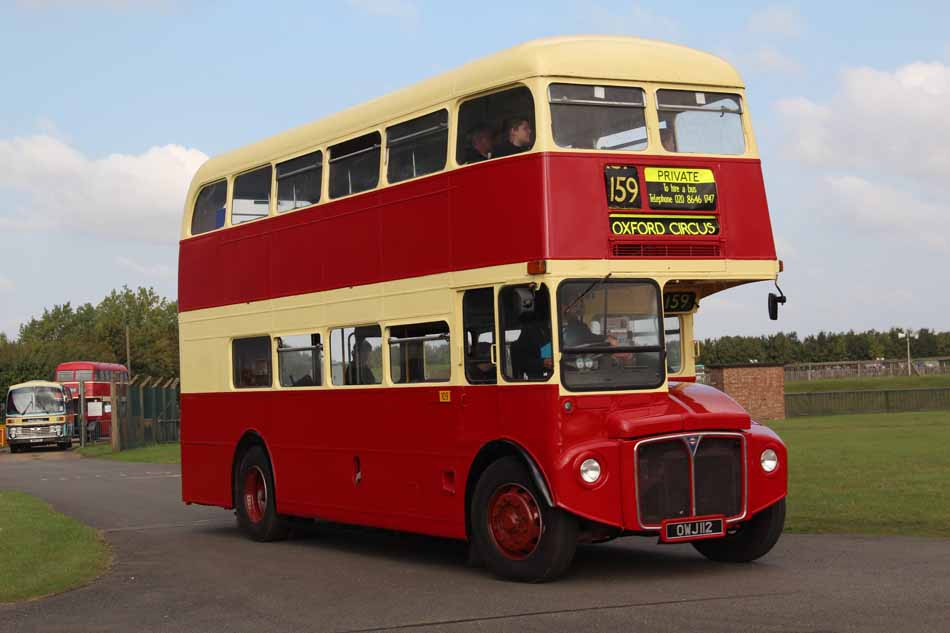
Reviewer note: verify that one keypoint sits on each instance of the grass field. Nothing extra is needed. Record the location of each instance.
(155, 454)
(43, 551)
(868, 383)
(871, 474)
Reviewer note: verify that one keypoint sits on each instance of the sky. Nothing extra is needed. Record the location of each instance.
(107, 108)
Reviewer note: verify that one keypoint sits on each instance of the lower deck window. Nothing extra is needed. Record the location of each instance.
(299, 359)
(356, 355)
(251, 363)
(419, 353)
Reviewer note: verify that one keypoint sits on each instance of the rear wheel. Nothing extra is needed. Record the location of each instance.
(254, 498)
(753, 539)
(513, 531)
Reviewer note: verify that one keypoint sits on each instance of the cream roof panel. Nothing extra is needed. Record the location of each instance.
(593, 57)
(35, 383)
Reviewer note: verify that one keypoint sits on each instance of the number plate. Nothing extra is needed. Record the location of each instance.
(677, 530)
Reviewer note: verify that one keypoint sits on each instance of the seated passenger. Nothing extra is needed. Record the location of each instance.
(479, 145)
(358, 372)
(516, 137)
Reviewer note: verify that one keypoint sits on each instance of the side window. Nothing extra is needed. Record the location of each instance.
(251, 199)
(354, 165)
(419, 353)
(478, 322)
(496, 125)
(298, 182)
(84, 375)
(299, 359)
(208, 213)
(417, 147)
(251, 364)
(64, 375)
(356, 355)
(525, 332)
(672, 328)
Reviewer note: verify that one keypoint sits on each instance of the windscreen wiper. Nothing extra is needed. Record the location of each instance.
(587, 291)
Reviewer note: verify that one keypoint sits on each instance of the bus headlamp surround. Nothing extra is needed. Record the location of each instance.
(768, 460)
(590, 470)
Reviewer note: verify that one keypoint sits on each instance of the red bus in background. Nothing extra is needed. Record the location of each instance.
(96, 378)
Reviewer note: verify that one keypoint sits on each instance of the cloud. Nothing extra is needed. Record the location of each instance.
(879, 122)
(95, 4)
(776, 21)
(6, 285)
(157, 271)
(770, 60)
(635, 21)
(872, 207)
(403, 9)
(122, 196)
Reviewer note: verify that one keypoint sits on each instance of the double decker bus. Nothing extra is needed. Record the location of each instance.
(97, 379)
(39, 413)
(466, 309)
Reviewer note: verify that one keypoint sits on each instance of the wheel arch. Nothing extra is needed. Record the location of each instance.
(490, 453)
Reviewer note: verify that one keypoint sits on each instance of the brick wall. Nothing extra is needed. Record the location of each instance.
(760, 389)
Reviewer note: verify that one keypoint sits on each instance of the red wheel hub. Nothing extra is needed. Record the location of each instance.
(255, 494)
(514, 520)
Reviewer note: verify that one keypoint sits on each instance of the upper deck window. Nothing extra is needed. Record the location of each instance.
(417, 147)
(496, 125)
(598, 117)
(298, 182)
(693, 122)
(251, 196)
(354, 165)
(208, 214)
(65, 375)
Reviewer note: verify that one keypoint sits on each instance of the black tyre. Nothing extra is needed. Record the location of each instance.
(65, 446)
(14, 448)
(254, 497)
(753, 540)
(513, 530)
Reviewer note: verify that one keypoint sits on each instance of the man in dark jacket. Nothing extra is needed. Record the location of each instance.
(479, 145)
(517, 136)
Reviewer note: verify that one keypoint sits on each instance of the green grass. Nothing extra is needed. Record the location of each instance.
(868, 383)
(871, 474)
(155, 454)
(44, 552)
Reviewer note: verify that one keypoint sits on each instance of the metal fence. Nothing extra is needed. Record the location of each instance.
(146, 411)
(859, 368)
(886, 401)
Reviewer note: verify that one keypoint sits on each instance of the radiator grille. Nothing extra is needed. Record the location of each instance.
(694, 475)
(35, 431)
(653, 249)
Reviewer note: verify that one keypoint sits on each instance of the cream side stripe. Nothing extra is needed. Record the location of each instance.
(206, 335)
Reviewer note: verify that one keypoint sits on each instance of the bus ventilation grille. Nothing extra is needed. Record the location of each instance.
(675, 482)
(665, 250)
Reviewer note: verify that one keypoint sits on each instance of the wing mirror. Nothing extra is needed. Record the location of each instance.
(774, 301)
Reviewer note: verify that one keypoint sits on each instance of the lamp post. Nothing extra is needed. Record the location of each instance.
(908, 334)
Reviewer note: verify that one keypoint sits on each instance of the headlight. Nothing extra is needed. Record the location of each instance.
(769, 460)
(11, 432)
(590, 470)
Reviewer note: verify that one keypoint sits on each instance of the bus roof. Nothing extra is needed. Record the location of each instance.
(88, 364)
(35, 383)
(588, 57)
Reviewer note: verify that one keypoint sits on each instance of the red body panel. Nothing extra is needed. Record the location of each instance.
(415, 452)
(548, 205)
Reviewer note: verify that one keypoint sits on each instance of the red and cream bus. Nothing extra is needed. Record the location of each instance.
(466, 309)
(97, 378)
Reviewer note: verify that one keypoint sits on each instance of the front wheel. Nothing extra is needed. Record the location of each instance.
(14, 448)
(513, 531)
(753, 540)
(254, 498)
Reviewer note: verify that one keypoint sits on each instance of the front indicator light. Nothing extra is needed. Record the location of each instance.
(769, 460)
(590, 470)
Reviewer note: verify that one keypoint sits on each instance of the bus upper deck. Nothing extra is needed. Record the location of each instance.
(639, 151)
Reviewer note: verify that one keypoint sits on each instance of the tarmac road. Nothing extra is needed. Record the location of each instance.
(180, 568)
